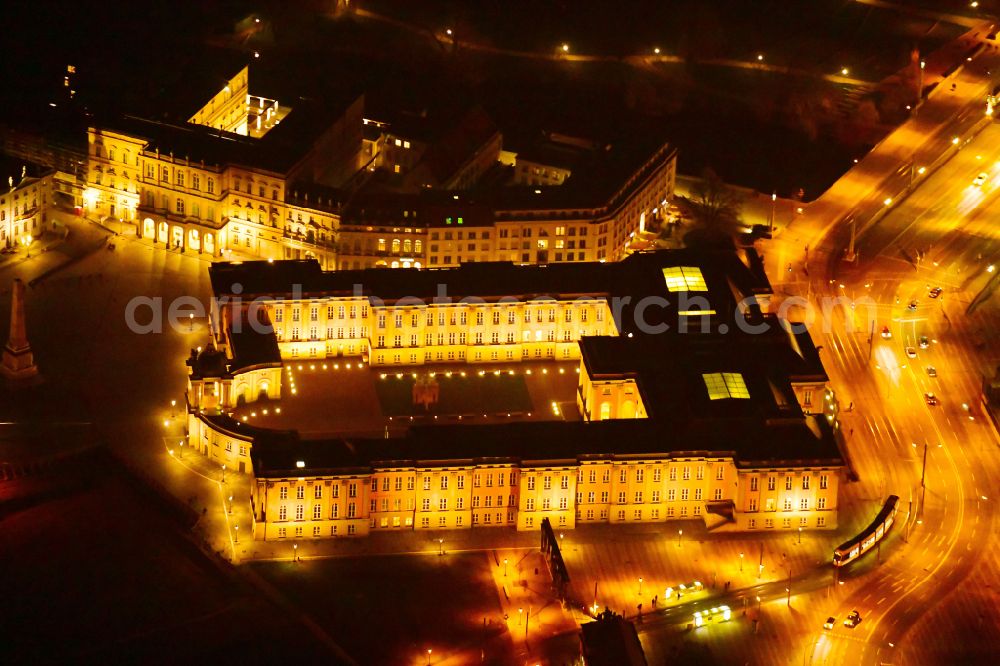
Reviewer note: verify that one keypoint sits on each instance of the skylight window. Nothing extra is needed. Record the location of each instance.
(684, 278)
(722, 385)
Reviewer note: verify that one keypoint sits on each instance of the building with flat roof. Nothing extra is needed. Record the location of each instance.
(694, 401)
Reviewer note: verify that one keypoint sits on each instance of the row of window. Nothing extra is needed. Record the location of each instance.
(496, 316)
(803, 504)
(640, 473)
(339, 310)
(461, 338)
(823, 482)
(786, 523)
(654, 496)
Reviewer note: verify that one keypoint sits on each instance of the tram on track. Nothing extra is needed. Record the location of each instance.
(854, 548)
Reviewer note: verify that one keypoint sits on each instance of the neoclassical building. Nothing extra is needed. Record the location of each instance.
(273, 167)
(694, 401)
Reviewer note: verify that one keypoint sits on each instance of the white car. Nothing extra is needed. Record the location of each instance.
(980, 179)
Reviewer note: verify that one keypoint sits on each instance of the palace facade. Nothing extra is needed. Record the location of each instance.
(694, 401)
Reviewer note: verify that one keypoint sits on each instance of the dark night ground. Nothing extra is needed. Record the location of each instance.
(386, 610)
(96, 570)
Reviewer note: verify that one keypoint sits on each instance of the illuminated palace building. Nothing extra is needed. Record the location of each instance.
(260, 164)
(693, 400)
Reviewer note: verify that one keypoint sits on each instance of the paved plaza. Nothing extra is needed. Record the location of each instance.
(344, 396)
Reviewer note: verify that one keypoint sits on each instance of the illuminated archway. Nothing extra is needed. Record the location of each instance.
(628, 410)
(148, 228)
(194, 240)
(209, 243)
(162, 231)
(605, 411)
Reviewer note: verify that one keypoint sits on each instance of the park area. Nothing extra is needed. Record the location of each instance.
(395, 609)
(101, 568)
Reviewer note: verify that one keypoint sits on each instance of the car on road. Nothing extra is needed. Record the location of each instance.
(853, 619)
(911, 352)
(935, 292)
(931, 371)
(830, 621)
(912, 306)
(924, 342)
(931, 399)
(980, 179)
(886, 333)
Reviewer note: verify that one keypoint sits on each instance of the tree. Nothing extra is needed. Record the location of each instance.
(714, 204)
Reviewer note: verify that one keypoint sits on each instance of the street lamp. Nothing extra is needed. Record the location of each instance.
(190, 322)
(640, 586)
(223, 472)
(565, 48)
(440, 546)
(741, 562)
(295, 552)
(520, 616)
(800, 536)
(236, 528)
(505, 567)
(230, 505)
(679, 533)
(429, 656)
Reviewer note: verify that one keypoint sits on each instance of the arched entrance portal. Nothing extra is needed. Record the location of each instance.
(161, 232)
(148, 228)
(194, 240)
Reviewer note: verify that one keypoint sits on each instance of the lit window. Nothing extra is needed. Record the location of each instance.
(722, 385)
(684, 278)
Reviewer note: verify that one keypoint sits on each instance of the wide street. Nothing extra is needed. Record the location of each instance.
(943, 234)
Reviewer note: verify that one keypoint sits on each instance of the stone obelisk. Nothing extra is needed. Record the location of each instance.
(18, 362)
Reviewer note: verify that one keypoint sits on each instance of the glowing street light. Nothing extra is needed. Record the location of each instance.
(800, 536)
(679, 533)
(440, 546)
(295, 552)
(954, 140)
(223, 472)
(640, 586)
(760, 57)
(429, 656)
(230, 505)
(656, 50)
(565, 48)
(845, 71)
(236, 532)
(505, 567)
(741, 562)
(888, 201)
